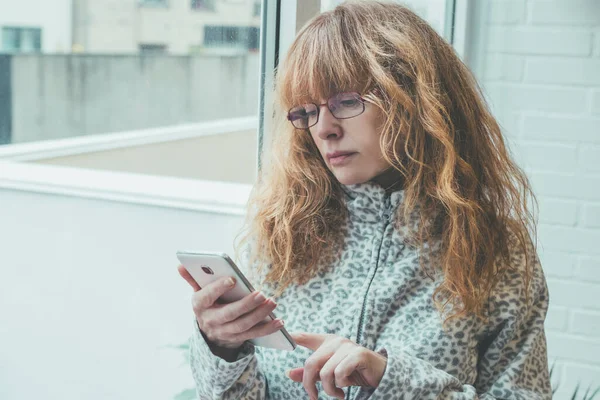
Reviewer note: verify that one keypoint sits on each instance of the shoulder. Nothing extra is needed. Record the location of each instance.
(521, 286)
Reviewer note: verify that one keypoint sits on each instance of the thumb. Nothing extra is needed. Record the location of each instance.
(295, 374)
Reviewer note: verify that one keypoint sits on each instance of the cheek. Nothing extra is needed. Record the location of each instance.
(319, 144)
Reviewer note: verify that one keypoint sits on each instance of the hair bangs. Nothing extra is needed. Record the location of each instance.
(321, 64)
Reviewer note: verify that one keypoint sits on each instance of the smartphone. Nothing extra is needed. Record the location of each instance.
(206, 267)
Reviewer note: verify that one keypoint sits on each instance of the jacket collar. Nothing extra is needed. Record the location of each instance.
(370, 202)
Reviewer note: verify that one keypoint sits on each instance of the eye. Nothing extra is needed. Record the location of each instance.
(296, 115)
(349, 103)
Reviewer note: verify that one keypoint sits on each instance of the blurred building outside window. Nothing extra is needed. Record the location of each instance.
(239, 37)
(204, 68)
(21, 40)
(153, 49)
(160, 3)
(203, 5)
(257, 9)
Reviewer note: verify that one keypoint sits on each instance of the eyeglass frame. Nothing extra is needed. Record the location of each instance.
(318, 106)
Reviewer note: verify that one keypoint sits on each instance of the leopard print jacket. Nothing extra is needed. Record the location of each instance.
(377, 296)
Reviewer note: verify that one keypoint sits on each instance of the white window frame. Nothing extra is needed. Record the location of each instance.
(170, 192)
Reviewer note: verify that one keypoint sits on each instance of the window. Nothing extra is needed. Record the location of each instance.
(153, 49)
(257, 9)
(231, 37)
(21, 40)
(203, 5)
(134, 74)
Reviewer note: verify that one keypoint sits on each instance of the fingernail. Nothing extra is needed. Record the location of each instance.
(260, 297)
(278, 323)
(287, 373)
(229, 282)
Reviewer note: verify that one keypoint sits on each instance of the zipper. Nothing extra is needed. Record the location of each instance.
(386, 216)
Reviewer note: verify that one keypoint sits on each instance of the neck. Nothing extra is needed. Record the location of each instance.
(390, 179)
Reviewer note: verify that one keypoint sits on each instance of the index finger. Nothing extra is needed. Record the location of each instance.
(186, 275)
(309, 340)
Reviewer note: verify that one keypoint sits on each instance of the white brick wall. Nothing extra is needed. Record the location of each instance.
(540, 69)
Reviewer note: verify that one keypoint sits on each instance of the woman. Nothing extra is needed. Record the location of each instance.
(391, 227)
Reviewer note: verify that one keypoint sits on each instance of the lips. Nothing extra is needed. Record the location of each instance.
(339, 158)
(337, 154)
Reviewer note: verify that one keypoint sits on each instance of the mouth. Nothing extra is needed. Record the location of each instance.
(339, 157)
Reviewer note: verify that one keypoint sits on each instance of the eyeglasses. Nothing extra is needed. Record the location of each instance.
(342, 106)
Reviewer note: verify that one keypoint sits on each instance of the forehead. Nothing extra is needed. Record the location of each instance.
(343, 95)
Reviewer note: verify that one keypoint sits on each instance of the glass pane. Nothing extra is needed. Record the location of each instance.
(153, 2)
(433, 11)
(30, 40)
(116, 67)
(206, 5)
(10, 39)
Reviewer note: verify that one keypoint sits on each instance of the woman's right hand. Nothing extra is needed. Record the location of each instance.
(230, 325)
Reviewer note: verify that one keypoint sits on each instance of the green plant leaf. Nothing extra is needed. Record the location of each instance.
(574, 397)
(586, 397)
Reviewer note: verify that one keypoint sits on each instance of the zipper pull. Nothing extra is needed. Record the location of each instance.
(386, 215)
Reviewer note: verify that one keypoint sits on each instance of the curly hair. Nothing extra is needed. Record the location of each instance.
(471, 198)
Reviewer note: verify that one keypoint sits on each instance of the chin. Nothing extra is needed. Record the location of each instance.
(350, 179)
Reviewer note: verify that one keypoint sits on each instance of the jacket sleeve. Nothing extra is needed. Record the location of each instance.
(218, 379)
(513, 362)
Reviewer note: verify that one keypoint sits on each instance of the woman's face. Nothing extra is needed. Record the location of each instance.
(350, 147)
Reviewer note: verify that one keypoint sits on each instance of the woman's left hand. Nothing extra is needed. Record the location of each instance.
(337, 362)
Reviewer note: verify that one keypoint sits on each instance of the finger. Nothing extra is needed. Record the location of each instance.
(186, 275)
(349, 372)
(327, 374)
(309, 340)
(295, 374)
(245, 322)
(232, 311)
(312, 368)
(262, 329)
(205, 298)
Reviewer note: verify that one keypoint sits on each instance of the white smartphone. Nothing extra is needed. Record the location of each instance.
(206, 267)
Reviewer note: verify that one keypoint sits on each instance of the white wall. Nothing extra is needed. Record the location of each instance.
(54, 17)
(90, 297)
(540, 65)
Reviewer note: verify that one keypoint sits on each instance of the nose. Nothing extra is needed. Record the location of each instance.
(328, 126)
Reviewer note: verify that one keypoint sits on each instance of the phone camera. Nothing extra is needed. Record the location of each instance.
(207, 270)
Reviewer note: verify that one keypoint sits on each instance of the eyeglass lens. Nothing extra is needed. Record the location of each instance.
(342, 106)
